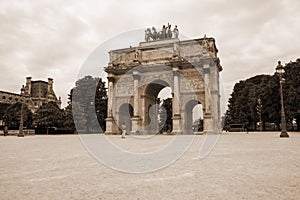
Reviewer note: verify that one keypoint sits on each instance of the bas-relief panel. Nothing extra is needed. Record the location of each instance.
(148, 78)
(191, 81)
(124, 86)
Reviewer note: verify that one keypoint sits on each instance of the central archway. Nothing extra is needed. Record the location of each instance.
(153, 120)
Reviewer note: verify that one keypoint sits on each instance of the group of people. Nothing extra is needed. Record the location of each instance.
(165, 33)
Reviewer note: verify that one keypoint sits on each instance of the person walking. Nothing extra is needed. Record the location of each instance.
(123, 130)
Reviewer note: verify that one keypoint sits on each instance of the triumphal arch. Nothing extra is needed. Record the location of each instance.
(137, 74)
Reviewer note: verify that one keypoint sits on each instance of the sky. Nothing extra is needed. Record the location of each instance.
(54, 38)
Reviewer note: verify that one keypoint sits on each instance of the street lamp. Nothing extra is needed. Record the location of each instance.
(280, 71)
(259, 110)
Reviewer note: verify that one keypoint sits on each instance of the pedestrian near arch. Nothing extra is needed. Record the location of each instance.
(123, 130)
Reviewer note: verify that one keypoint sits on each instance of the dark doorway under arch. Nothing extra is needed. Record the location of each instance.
(153, 102)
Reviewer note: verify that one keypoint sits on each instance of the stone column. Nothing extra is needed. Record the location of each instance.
(110, 119)
(143, 113)
(156, 124)
(177, 129)
(219, 102)
(136, 118)
(215, 98)
(207, 117)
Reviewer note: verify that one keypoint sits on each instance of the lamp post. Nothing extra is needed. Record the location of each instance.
(21, 133)
(259, 110)
(280, 71)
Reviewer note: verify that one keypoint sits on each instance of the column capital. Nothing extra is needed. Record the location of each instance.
(111, 79)
(206, 68)
(175, 71)
(136, 75)
(175, 68)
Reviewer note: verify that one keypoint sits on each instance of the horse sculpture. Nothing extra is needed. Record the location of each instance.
(165, 33)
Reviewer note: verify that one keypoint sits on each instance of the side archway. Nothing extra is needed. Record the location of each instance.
(192, 117)
(124, 116)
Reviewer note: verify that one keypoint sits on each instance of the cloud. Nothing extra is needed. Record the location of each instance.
(53, 38)
(41, 41)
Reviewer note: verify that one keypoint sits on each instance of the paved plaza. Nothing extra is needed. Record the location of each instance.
(241, 166)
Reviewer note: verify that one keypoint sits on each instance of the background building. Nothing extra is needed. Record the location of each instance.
(33, 94)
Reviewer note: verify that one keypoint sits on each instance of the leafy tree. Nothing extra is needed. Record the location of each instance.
(49, 115)
(68, 122)
(79, 116)
(198, 125)
(101, 104)
(242, 106)
(3, 109)
(270, 100)
(89, 103)
(12, 116)
(227, 120)
(291, 92)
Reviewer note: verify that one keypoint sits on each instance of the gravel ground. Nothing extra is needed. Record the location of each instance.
(241, 166)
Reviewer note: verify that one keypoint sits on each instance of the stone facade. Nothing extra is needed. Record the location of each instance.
(136, 76)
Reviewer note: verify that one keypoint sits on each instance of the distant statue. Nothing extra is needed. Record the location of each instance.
(136, 54)
(176, 32)
(169, 35)
(165, 33)
(123, 130)
(154, 34)
(147, 34)
(205, 43)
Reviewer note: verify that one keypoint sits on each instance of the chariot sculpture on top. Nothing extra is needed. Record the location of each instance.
(165, 33)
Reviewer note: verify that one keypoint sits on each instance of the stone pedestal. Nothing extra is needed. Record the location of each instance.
(159, 42)
(177, 129)
(135, 124)
(208, 124)
(109, 126)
